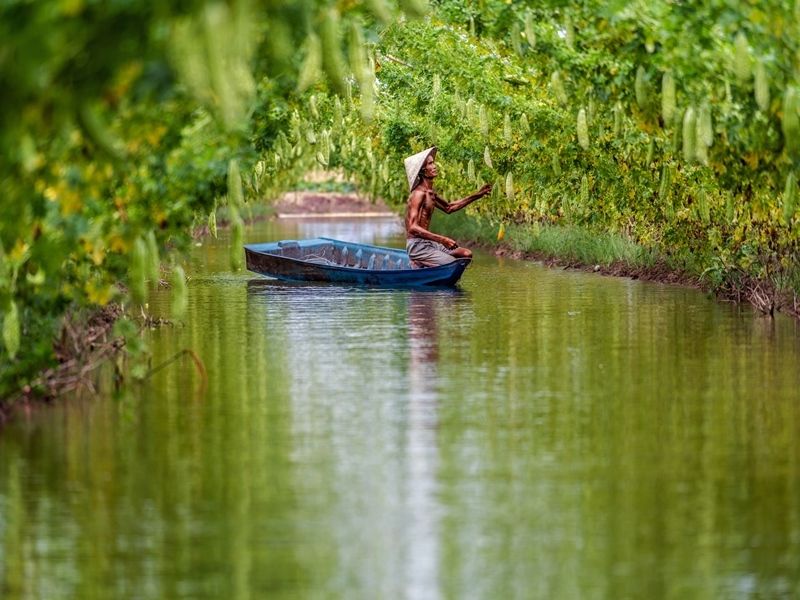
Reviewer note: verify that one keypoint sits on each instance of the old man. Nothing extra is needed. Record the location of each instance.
(425, 248)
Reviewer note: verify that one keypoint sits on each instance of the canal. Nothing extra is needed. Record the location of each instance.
(533, 433)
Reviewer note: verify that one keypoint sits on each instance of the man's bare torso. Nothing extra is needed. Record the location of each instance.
(427, 204)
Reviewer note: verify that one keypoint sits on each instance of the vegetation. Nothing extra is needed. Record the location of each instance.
(672, 128)
(124, 125)
(667, 130)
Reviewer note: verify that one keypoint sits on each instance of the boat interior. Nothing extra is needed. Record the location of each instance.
(342, 255)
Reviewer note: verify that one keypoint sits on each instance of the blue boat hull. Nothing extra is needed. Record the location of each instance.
(325, 259)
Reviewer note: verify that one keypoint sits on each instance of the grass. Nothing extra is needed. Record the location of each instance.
(569, 244)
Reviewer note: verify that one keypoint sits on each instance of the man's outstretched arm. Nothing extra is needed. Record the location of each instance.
(451, 207)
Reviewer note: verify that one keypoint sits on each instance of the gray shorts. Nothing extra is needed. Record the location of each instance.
(427, 253)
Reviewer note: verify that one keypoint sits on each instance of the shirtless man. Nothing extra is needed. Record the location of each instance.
(425, 248)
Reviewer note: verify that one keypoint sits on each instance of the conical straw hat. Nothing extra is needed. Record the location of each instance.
(415, 163)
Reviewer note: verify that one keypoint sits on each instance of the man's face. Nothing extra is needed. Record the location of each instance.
(429, 169)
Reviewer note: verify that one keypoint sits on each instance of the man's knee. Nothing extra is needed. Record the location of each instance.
(462, 253)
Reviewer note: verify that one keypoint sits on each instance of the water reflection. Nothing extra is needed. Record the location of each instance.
(425, 309)
(367, 365)
(539, 434)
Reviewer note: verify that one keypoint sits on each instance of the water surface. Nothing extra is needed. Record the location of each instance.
(534, 433)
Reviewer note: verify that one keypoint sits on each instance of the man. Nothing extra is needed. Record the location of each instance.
(425, 248)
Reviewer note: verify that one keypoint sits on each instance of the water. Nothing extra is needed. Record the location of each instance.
(536, 433)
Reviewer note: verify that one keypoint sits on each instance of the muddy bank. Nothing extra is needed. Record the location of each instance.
(306, 204)
(84, 343)
(328, 203)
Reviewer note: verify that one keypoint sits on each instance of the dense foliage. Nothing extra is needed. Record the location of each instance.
(125, 124)
(675, 127)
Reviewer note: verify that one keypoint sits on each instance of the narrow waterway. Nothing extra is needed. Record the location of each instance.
(534, 433)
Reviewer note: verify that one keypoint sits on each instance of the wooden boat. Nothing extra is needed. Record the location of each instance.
(325, 259)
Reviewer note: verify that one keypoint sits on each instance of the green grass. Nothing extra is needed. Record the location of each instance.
(567, 243)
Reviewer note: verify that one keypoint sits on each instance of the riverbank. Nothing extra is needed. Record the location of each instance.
(84, 343)
(614, 255)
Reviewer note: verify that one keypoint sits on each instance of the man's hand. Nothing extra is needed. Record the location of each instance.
(449, 244)
(485, 190)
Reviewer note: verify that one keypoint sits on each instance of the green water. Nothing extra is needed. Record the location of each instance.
(536, 433)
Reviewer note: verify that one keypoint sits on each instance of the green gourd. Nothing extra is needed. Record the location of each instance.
(510, 186)
(677, 131)
(381, 10)
(569, 32)
(516, 41)
(338, 113)
(385, 171)
(235, 194)
(667, 97)
(332, 61)
(640, 88)
(524, 126)
(666, 182)
(705, 126)
(469, 110)
(761, 87)
(507, 133)
(557, 86)
(689, 135)
(584, 192)
(487, 157)
(530, 31)
(356, 53)
(705, 135)
(791, 120)
(741, 57)
(583, 130)
(11, 329)
(484, 121)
